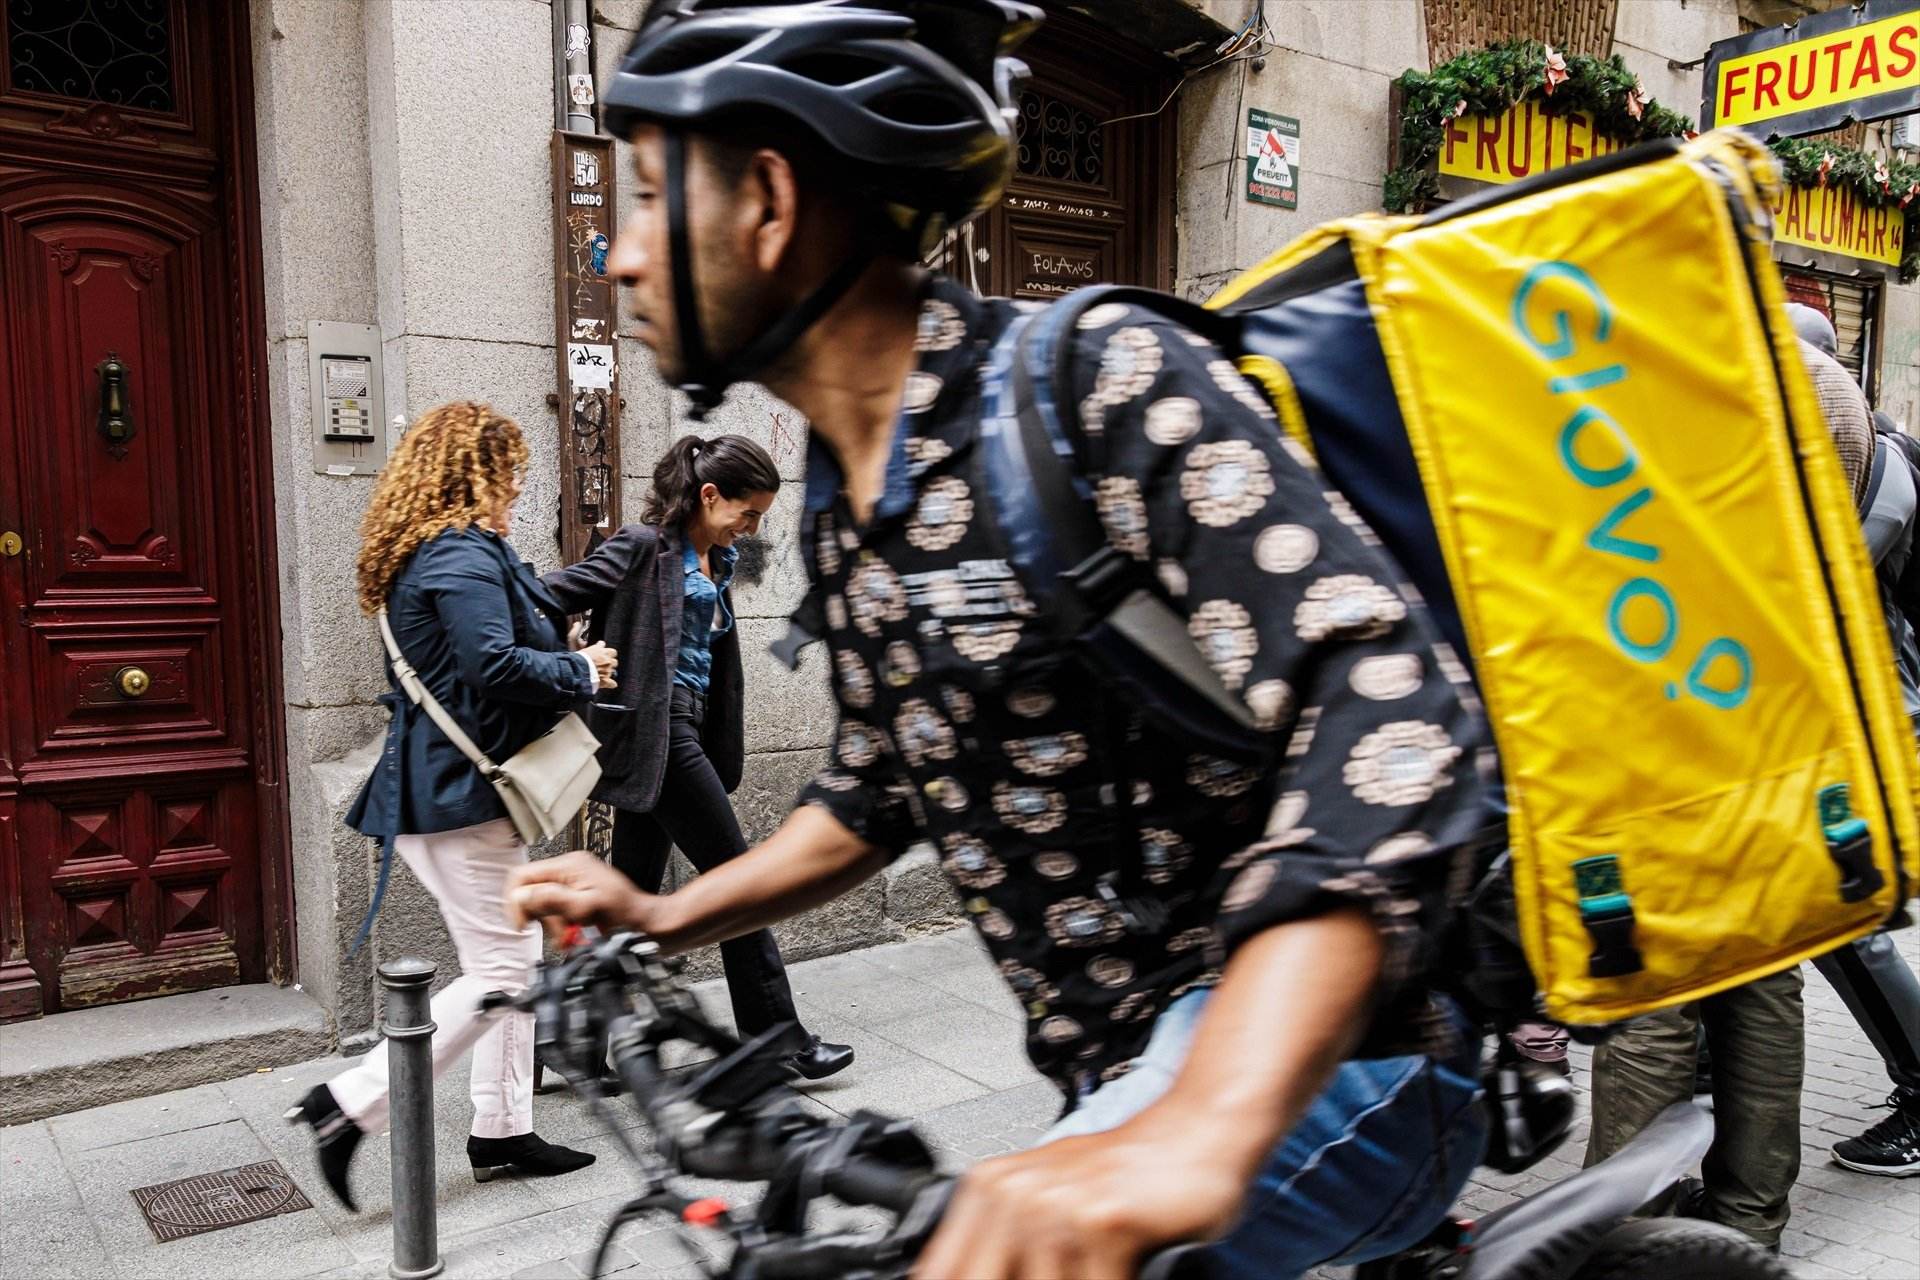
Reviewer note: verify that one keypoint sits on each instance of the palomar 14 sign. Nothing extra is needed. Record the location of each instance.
(1853, 63)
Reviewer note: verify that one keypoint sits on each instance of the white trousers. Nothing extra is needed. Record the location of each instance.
(466, 872)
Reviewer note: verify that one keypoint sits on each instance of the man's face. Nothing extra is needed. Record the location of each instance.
(642, 258)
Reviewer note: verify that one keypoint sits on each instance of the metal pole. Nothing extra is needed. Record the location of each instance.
(572, 58)
(409, 1029)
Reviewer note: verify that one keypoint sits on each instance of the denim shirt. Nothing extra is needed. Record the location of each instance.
(707, 615)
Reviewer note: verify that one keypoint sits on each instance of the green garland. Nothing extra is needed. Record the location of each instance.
(1491, 80)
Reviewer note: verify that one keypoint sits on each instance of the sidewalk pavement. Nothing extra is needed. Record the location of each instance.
(938, 1040)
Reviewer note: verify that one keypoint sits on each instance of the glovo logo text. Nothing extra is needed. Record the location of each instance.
(1643, 620)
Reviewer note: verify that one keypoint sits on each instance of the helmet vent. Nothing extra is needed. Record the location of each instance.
(836, 69)
(917, 107)
(693, 49)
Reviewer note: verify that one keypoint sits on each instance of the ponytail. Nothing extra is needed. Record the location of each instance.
(734, 465)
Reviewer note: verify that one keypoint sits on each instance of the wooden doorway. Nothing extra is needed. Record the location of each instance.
(1092, 201)
(142, 825)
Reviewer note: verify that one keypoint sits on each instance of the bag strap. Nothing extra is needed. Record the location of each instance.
(422, 698)
(1101, 582)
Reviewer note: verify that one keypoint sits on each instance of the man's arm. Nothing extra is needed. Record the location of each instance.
(811, 859)
(1288, 1009)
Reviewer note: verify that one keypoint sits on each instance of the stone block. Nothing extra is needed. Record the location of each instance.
(1678, 31)
(772, 783)
(1213, 124)
(315, 179)
(786, 710)
(918, 895)
(332, 733)
(623, 16)
(475, 205)
(855, 919)
(1206, 223)
(516, 379)
(1386, 36)
(330, 648)
(646, 416)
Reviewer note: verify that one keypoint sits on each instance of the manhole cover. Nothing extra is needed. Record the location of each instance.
(215, 1201)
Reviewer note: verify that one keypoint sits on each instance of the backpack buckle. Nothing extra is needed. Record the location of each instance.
(1092, 589)
(1849, 844)
(1607, 912)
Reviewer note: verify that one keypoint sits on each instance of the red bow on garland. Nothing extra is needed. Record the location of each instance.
(1556, 70)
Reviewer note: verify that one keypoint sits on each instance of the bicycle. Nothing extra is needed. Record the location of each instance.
(733, 1119)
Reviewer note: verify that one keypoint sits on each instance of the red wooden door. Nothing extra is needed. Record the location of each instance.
(139, 755)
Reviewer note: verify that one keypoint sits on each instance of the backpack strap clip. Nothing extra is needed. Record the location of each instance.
(1607, 912)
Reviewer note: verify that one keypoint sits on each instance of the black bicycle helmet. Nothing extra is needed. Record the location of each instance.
(915, 97)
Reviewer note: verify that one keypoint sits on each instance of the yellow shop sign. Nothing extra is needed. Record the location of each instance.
(1836, 220)
(1522, 141)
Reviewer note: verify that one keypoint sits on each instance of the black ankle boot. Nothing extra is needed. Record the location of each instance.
(528, 1154)
(335, 1137)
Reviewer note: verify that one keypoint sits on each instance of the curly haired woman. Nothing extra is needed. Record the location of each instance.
(490, 643)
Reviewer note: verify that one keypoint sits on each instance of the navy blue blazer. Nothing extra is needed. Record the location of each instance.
(490, 643)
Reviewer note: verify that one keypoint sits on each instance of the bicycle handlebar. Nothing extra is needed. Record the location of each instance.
(731, 1120)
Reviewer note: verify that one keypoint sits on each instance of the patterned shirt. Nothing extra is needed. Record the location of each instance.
(961, 724)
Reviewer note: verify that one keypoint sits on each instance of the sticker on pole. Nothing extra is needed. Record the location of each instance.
(1273, 159)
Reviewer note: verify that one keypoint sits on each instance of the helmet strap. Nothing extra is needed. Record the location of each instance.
(697, 379)
(705, 380)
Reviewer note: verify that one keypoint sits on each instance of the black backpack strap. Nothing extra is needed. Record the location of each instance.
(1876, 471)
(1098, 583)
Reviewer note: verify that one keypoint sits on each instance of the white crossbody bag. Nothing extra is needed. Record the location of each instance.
(545, 783)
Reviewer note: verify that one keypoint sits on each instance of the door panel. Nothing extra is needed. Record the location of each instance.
(138, 820)
(1089, 203)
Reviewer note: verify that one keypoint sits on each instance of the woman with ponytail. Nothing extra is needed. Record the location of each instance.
(673, 731)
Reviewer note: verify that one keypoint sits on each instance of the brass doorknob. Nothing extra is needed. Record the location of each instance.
(132, 682)
(10, 543)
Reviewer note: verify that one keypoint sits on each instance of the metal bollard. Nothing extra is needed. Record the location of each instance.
(409, 1029)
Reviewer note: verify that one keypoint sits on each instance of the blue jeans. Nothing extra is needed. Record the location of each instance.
(1371, 1168)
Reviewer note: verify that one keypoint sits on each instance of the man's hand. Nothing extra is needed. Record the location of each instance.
(1291, 1003)
(576, 888)
(1089, 1208)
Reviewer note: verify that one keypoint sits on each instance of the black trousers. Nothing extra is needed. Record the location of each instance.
(693, 812)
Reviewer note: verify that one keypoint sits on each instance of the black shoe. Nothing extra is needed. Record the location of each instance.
(819, 1059)
(1690, 1199)
(528, 1154)
(336, 1138)
(1890, 1148)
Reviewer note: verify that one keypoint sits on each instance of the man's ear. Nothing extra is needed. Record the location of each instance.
(773, 193)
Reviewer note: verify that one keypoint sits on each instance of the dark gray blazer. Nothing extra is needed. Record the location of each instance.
(635, 587)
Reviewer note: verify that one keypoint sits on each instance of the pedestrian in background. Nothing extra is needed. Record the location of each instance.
(673, 731)
(488, 641)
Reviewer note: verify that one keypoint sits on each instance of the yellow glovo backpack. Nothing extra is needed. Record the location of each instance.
(1650, 543)
(1574, 411)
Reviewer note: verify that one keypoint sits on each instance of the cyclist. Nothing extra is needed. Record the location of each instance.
(1226, 968)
